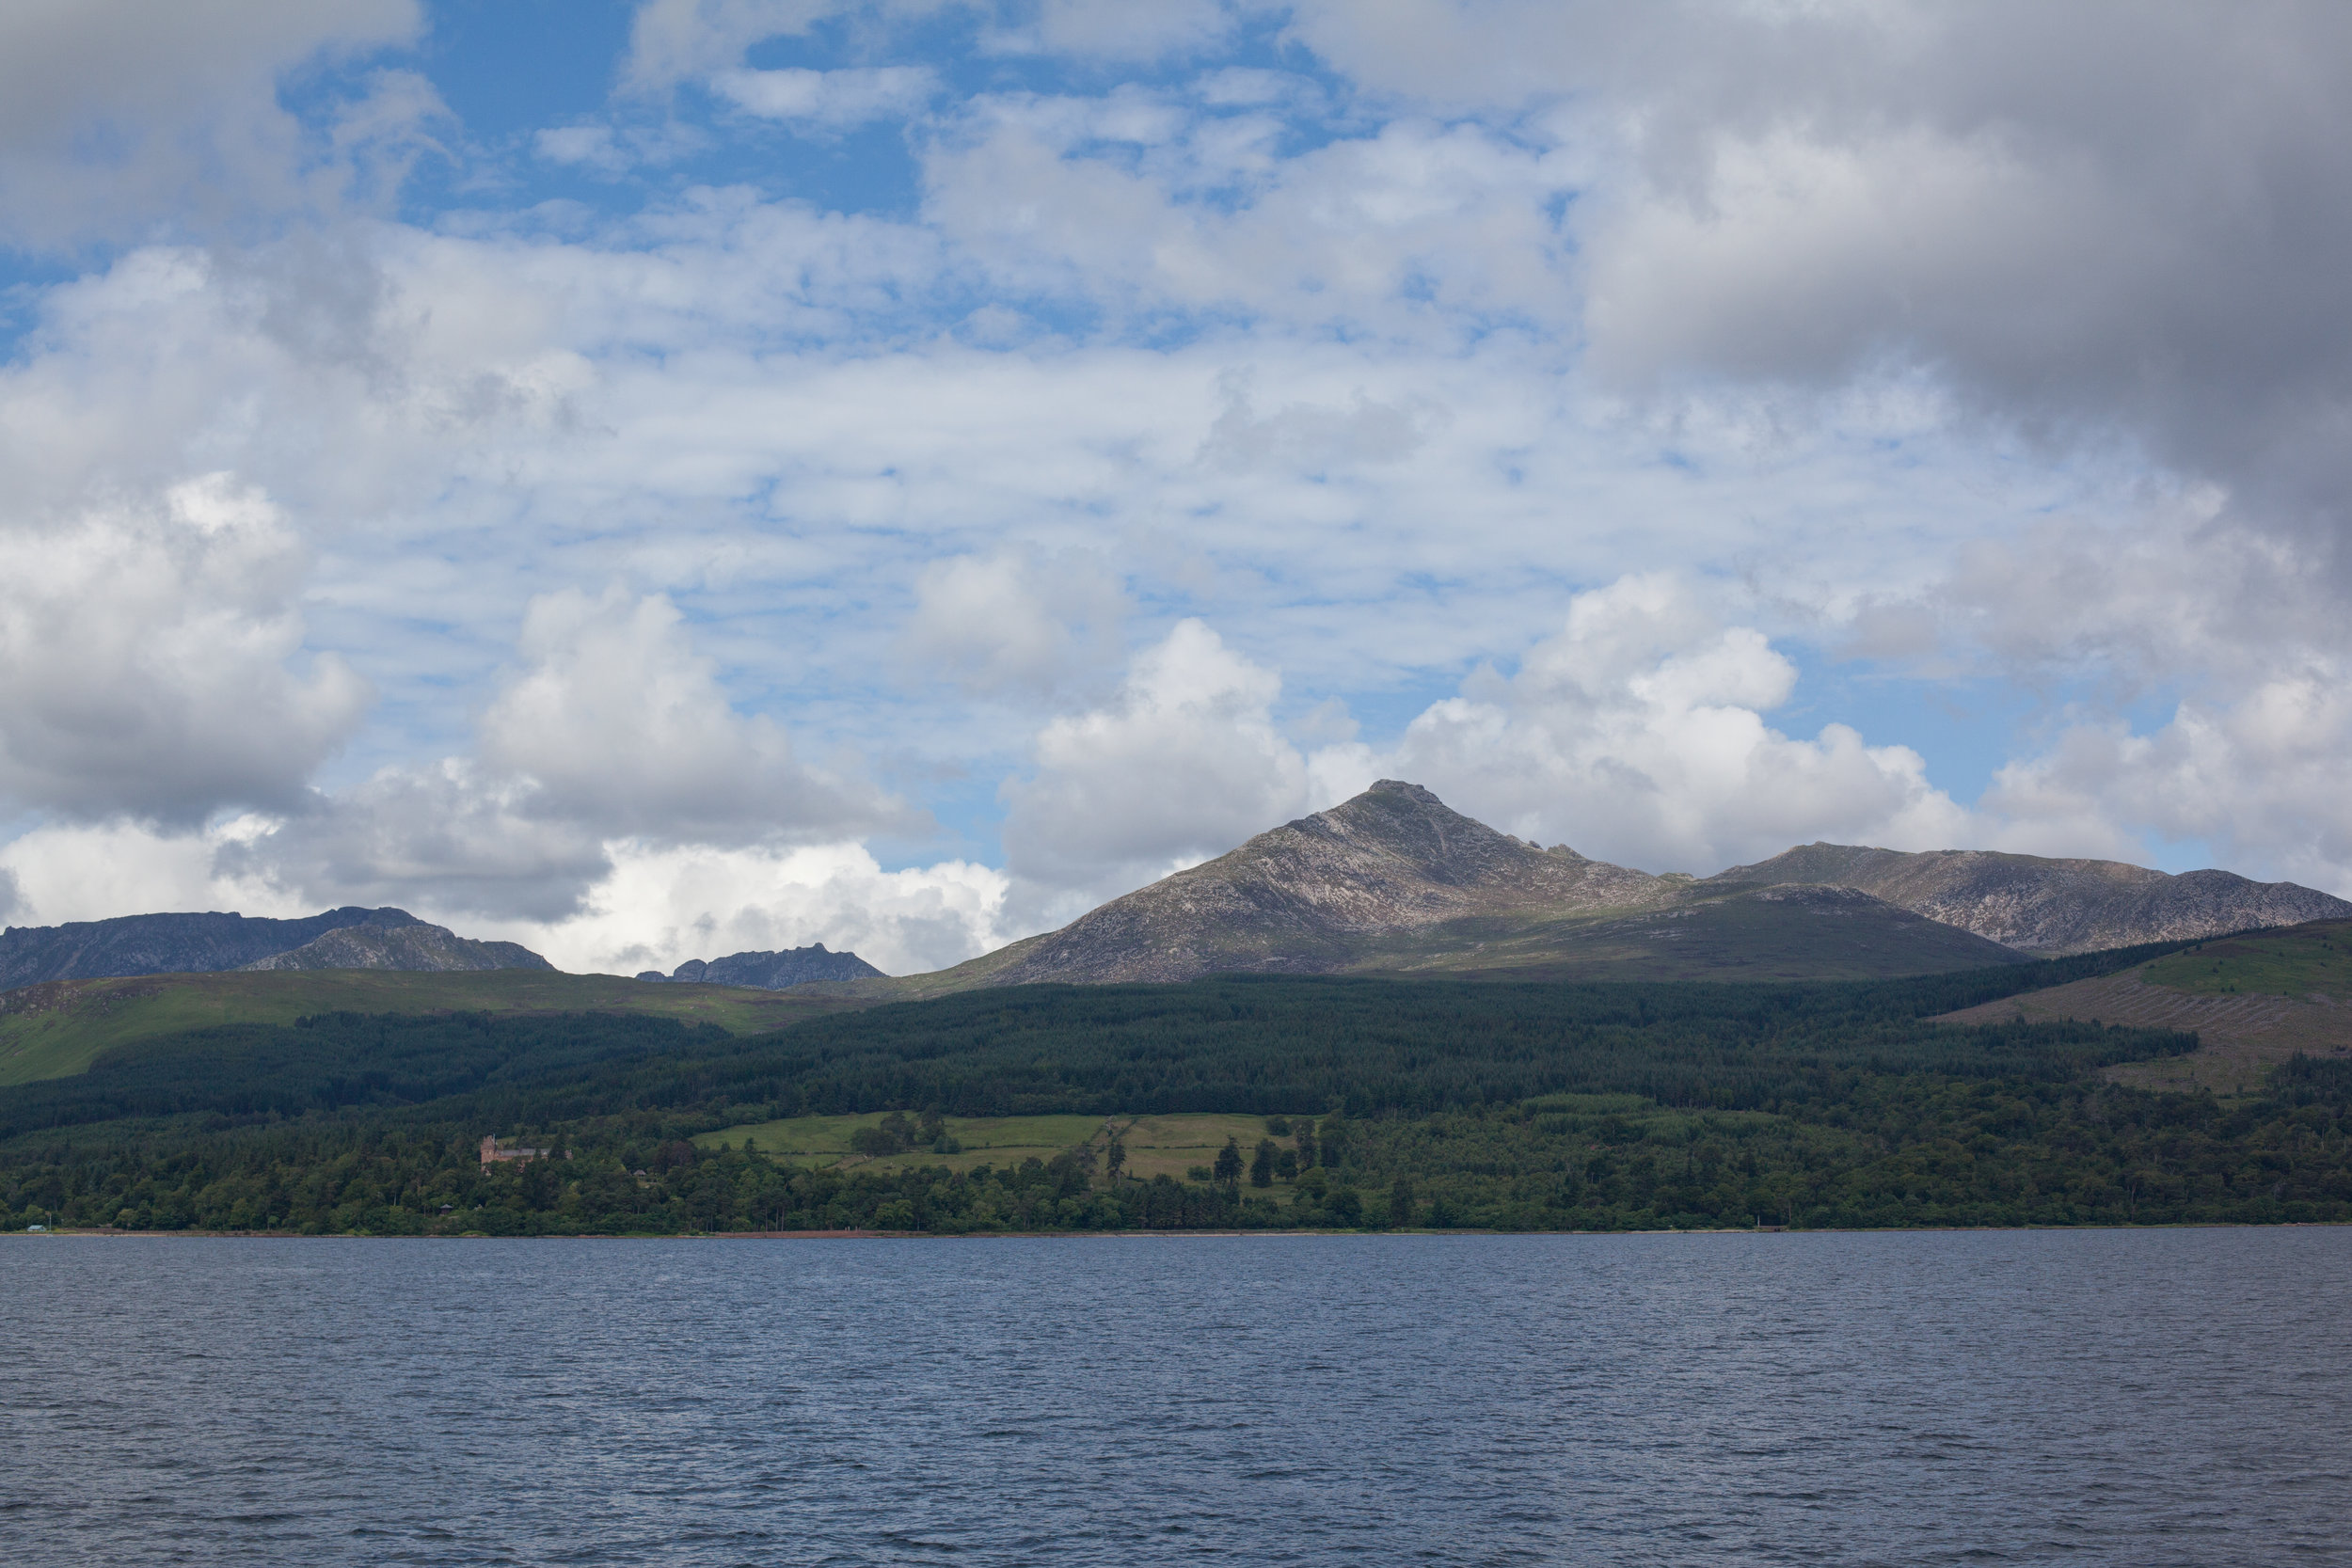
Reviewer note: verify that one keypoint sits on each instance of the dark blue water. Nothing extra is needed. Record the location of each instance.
(2092, 1397)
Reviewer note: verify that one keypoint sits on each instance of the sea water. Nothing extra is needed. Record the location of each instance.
(2083, 1397)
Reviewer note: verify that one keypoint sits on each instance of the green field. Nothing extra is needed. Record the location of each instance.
(2292, 962)
(1156, 1146)
(58, 1029)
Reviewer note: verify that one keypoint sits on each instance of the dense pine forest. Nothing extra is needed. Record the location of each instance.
(1383, 1104)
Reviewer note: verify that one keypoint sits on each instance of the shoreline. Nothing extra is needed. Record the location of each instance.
(105, 1234)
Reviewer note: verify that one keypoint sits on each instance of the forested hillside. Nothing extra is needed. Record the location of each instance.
(1593, 1106)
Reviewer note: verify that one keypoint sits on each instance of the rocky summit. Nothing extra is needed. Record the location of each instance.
(1394, 882)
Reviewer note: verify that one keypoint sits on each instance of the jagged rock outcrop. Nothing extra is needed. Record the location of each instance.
(2047, 906)
(781, 970)
(1320, 894)
(415, 947)
(167, 943)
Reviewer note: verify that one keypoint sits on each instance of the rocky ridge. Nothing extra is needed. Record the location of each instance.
(167, 943)
(779, 971)
(415, 947)
(2043, 905)
(1394, 882)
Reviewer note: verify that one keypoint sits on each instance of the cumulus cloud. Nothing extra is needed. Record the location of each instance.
(616, 723)
(156, 662)
(1185, 763)
(659, 906)
(640, 907)
(2094, 220)
(2256, 777)
(1637, 735)
(614, 730)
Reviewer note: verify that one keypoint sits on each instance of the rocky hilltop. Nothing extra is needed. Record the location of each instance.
(165, 943)
(2047, 906)
(793, 966)
(416, 946)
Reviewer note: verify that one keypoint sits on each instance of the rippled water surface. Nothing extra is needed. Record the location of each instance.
(2090, 1397)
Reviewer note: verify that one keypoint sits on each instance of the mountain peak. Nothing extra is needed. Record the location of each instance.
(1318, 894)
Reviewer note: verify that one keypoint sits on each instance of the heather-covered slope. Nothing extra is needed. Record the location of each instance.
(2047, 906)
(165, 943)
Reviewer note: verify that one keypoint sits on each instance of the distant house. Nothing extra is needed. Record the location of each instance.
(492, 1153)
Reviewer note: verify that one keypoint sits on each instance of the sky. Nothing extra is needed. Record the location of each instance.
(651, 481)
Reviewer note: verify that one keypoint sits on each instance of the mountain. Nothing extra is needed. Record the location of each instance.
(1325, 892)
(2047, 906)
(416, 946)
(1395, 882)
(794, 966)
(165, 943)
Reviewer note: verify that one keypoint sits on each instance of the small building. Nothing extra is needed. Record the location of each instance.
(492, 1153)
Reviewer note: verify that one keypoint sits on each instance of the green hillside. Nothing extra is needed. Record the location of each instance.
(2293, 962)
(50, 1030)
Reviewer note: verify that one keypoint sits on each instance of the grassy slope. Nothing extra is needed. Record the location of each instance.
(2293, 963)
(2254, 1000)
(51, 1031)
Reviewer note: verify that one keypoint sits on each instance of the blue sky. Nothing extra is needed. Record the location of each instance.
(654, 480)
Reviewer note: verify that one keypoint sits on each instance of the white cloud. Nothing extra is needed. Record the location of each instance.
(1117, 30)
(2258, 776)
(155, 659)
(616, 723)
(835, 100)
(117, 117)
(1015, 620)
(1637, 735)
(1184, 763)
(659, 906)
(643, 907)
(671, 41)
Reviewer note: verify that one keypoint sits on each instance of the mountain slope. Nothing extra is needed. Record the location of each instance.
(434, 949)
(2047, 906)
(165, 943)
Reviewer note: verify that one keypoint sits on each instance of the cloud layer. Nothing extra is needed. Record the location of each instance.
(909, 470)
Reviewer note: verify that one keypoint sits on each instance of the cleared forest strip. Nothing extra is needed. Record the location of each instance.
(2242, 1035)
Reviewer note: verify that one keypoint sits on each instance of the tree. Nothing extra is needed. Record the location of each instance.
(1115, 1157)
(1228, 1163)
(1306, 1143)
(1401, 1202)
(1261, 1168)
